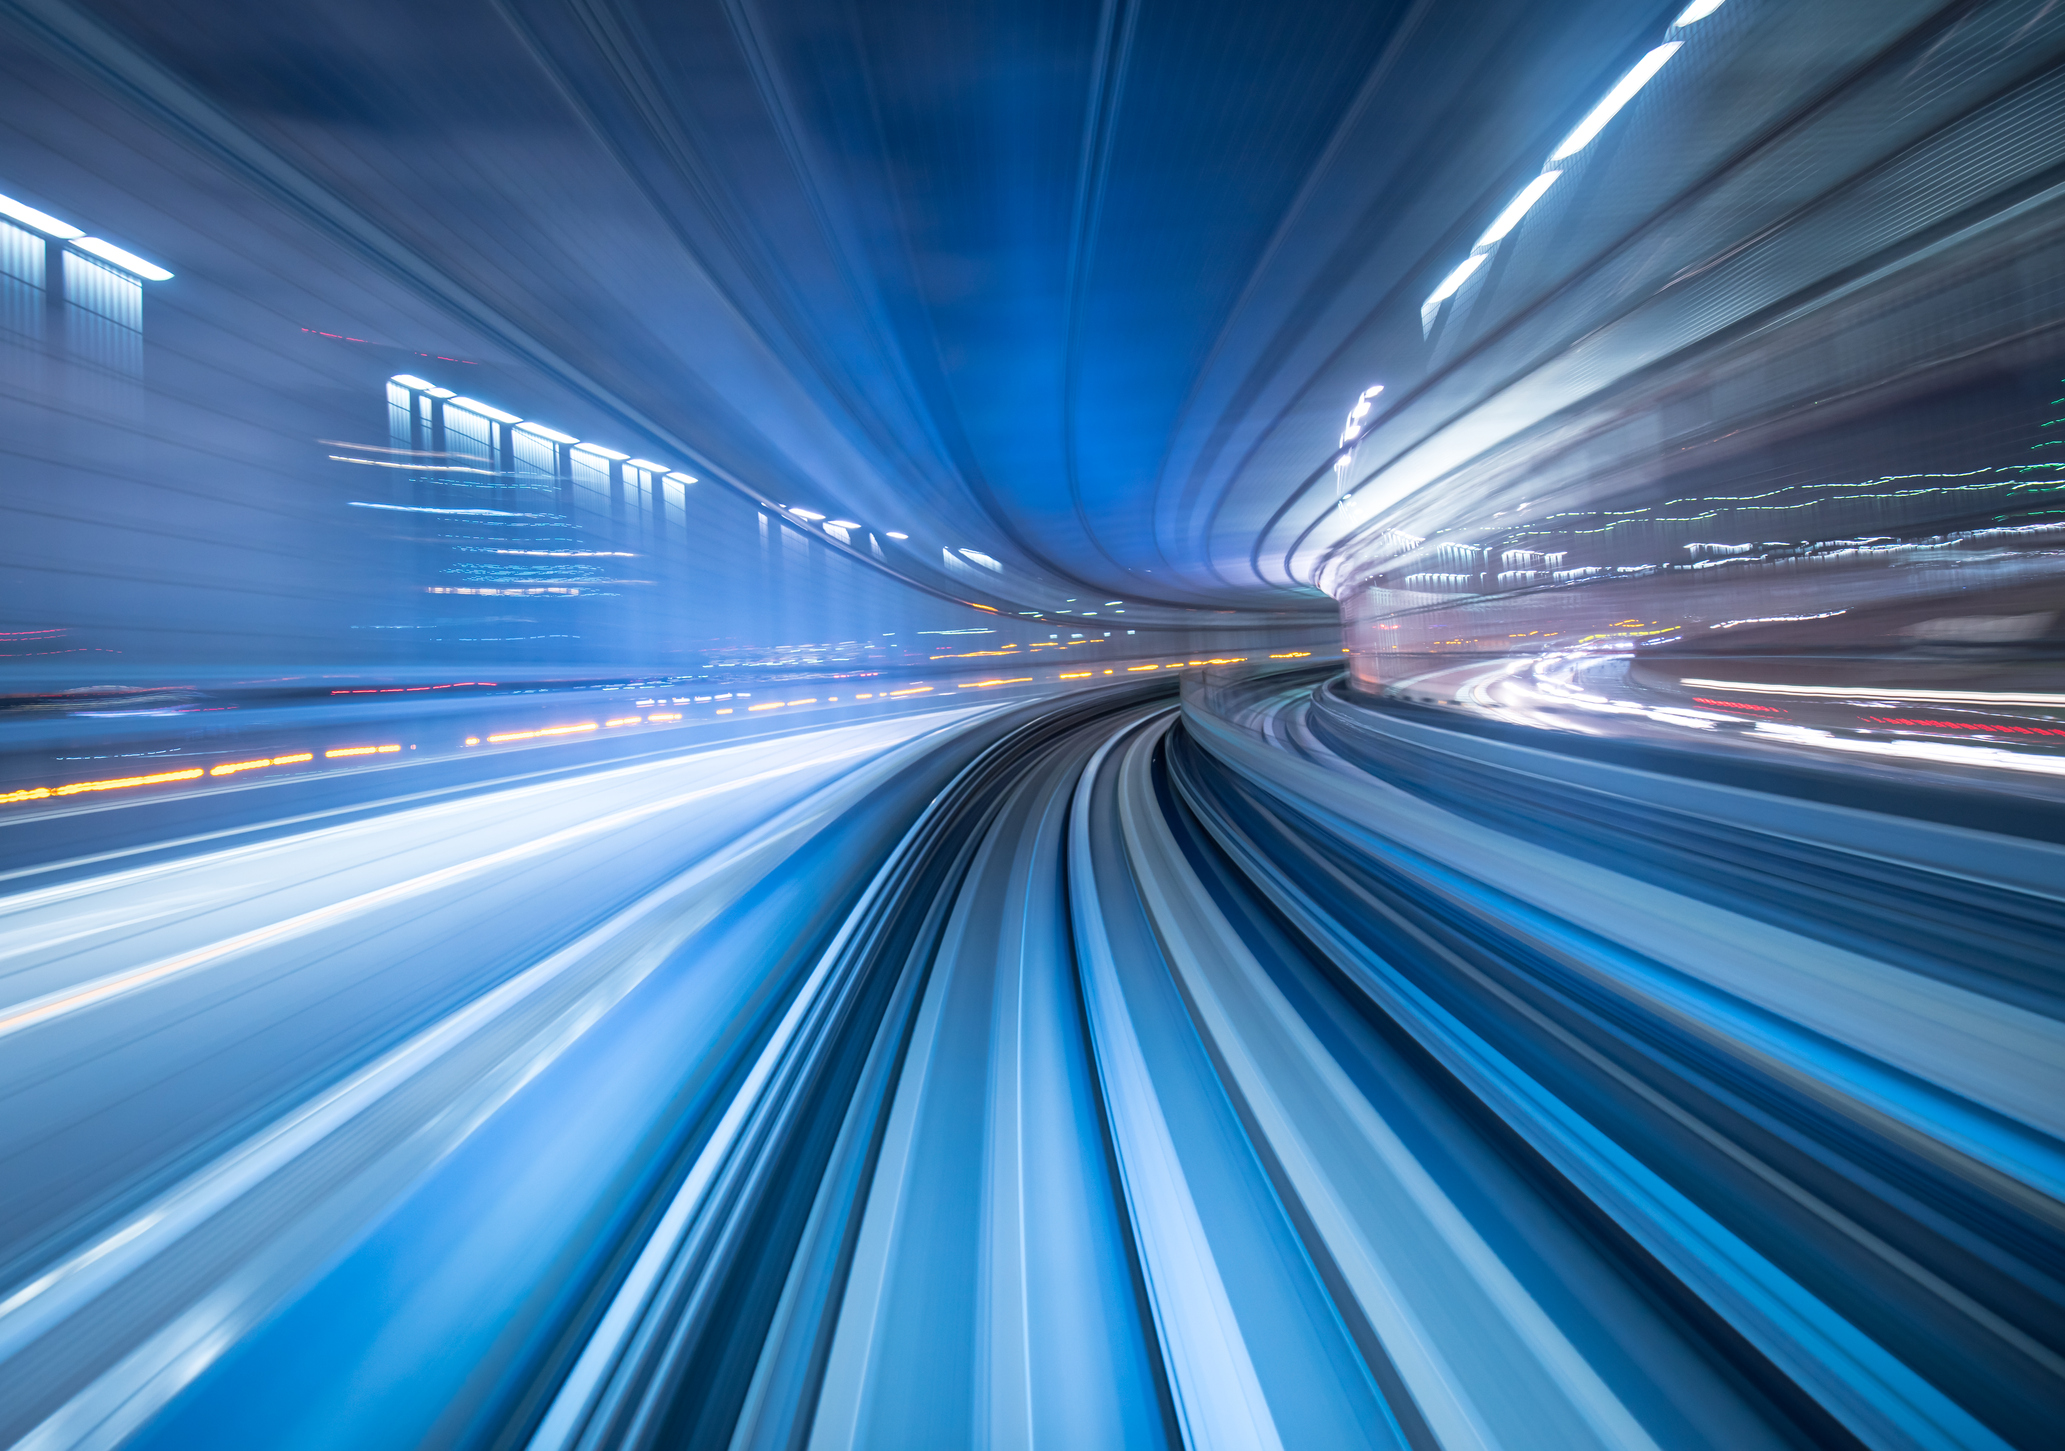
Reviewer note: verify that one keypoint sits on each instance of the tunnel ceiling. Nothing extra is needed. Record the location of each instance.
(1088, 288)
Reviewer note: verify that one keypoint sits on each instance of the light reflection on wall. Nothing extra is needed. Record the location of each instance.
(1810, 407)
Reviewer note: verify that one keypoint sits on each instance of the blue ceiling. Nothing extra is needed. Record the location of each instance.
(1086, 286)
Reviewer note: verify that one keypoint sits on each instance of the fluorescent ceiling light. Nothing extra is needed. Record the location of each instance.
(648, 465)
(892, 534)
(841, 524)
(42, 221)
(127, 261)
(1517, 208)
(441, 393)
(599, 451)
(1697, 10)
(410, 380)
(485, 410)
(806, 513)
(1623, 91)
(1455, 279)
(678, 478)
(539, 430)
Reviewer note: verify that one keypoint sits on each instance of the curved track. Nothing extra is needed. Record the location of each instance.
(1275, 1071)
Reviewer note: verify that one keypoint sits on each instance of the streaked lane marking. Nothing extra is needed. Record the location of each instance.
(74, 999)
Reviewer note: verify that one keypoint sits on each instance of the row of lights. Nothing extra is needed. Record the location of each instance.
(539, 430)
(581, 728)
(1585, 132)
(189, 773)
(842, 526)
(72, 236)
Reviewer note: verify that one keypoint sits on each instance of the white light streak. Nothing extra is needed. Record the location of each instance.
(1868, 692)
(410, 380)
(486, 410)
(1623, 91)
(1517, 208)
(681, 478)
(550, 435)
(126, 260)
(1775, 619)
(42, 221)
(648, 465)
(1454, 280)
(598, 451)
(423, 509)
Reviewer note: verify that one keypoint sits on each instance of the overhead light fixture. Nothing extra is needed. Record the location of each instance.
(892, 534)
(126, 260)
(1698, 10)
(1623, 91)
(1517, 208)
(474, 405)
(681, 478)
(841, 524)
(806, 513)
(410, 380)
(648, 465)
(600, 452)
(42, 221)
(1454, 280)
(441, 393)
(539, 430)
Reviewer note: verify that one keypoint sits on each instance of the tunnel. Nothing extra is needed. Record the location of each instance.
(572, 880)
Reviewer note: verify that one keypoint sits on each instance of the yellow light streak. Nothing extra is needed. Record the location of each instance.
(119, 783)
(1077, 675)
(363, 751)
(624, 720)
(665, 715)
(565, 730)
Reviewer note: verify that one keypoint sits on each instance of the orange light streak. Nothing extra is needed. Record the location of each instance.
(566, 730)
